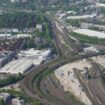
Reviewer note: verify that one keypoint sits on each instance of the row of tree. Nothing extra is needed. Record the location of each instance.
(2, 102)
(10, 80)
(20, 94)
(19, 20)
(88, 39)
(75, 23)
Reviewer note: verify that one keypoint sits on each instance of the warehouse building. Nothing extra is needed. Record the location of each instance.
(17, 101)
(27, 60)
(10, 36)
(90, 49)
(19, 1)
(4, 96)
(20, 66)
(90, 33)
(39, 27)
(36, 54)
(5, 36)
(17, 66)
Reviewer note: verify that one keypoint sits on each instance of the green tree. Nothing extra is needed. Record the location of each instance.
(2, 102)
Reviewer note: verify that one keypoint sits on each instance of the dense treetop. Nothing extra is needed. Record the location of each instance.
(19, 20)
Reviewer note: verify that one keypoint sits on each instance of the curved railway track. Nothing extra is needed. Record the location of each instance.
(31, 83)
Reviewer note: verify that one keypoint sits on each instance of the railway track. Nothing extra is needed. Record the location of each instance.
(31, 83)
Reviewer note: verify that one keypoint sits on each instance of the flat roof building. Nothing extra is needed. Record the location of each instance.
(10, 36)
(39, 27)
(21, 1)
(36, 54)
(17, 101)
(81, 16)
(90, 33)
(27, 60)
(91, 49)
(4, 95)
(17, 66)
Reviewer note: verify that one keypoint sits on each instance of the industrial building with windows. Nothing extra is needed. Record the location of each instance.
(26, 61)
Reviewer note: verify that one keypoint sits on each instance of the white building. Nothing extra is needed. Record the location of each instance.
(39, 27)
(90, 33)
(81, 17)
(17, 101)
(23, 1)
(27, 60)
(90, 49)
(5, 35)
(89, 25)
(36, 54)
(100, 4)
(17, 66)
(22, 35)
(13, 1)
(4, 95)
(9, 36)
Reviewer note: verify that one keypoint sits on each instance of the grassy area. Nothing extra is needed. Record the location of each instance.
(75, 23)
(2, 102)
(22, 95)
(87, 39)
(10, 80)
(20, 20)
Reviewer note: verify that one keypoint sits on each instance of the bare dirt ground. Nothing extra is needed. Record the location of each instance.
(53, 88)
(69, 80)
(93, 87)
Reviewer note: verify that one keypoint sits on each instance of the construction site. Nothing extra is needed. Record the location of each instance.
(81, 76)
